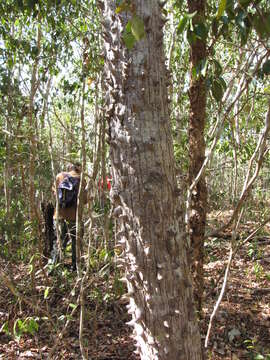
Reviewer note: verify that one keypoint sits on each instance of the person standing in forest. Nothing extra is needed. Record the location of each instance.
(66, 190)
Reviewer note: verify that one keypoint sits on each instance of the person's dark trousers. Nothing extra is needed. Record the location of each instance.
(67, 233)
(70, 234)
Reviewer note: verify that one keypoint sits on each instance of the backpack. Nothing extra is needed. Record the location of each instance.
(68, 192)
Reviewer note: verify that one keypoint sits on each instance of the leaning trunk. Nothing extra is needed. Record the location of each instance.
(197, 96)
(144, 192)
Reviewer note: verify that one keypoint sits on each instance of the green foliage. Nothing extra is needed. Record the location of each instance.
(46, 292)
(182, 24)
(129, 38)
(261, 23)
(251, 345)
(185, 22)
(243, 25)
(26, 326)
(258, 271)
(5, 328)
(266, 67)
(217, 87)
(137, 27)
(254, 252)
(221, 8)
(134, 31)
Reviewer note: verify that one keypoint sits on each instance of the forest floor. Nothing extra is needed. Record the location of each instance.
(33, 321)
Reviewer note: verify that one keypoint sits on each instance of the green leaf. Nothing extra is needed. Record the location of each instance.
(17, 22)
(204, 65)
(10, 63)
(128, 26)
(182, 24)
(191, 37)
(129, 40)
(200, 69)
(217, 68)
(201, 31)
(73, 306)
(137, 27)
(217, 90)
(261, 24)
(221, 8)
(4, 328)
(46, 292)
(222, 82)
(266, 67)
(190, 16)
(259, 357)
(34, 51)
(31, 268)
(17, 324)
(32, 326)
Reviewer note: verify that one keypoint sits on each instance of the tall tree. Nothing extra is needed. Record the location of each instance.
(197, 117)
(144, 193)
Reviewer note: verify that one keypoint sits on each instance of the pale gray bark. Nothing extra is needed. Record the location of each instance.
(144, 192)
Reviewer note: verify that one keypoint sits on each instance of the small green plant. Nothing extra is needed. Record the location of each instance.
(253, 352)
(26, 326)
(258, 271)
(96, 296)
(254, 252)
(4, 328)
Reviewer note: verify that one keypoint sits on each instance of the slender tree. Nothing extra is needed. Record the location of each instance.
(144, 192)
(197, 118)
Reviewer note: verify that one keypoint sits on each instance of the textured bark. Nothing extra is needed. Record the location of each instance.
(197, 96)
(144, 191)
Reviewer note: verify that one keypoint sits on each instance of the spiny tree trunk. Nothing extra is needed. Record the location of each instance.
(144, 192)
(197, 96)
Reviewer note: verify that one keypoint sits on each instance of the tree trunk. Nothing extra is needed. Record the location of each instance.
(7, 166)
(34, 208)
(197, 96)
(144, 191)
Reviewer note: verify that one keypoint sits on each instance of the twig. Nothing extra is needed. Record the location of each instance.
(219, 298)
